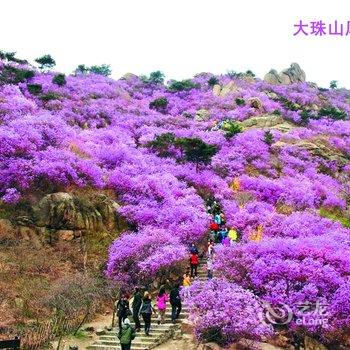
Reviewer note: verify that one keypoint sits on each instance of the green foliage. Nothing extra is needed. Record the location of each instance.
(13, 75)
(240, 101)
(233, 74)
(82, 69)
(156, 77)
(11, 56)
(159, 104)
(103, 69)
(59, 79)
(162, 143)
(249, 73)
(35, 89)
(239, 75)
(333, 84)
(80, 335)
(335, 216)
(231, 128)
(192, 149)
(268, 137)
(276, 112)
(213, 81)
(45, 62)
(289, 104)
(332, 112)
(183, 85)
(304, 118)
(49, 96)
(196, 151)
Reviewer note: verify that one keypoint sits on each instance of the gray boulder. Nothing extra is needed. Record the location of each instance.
(291, 75)
(202, 115)
(272, 77)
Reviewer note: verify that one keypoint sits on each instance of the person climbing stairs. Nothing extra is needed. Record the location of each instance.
(159, 333)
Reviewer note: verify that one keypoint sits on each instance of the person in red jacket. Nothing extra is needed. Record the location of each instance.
(214, 226)
(194, 261)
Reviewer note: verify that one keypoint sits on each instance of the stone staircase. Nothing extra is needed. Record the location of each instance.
(158, 334)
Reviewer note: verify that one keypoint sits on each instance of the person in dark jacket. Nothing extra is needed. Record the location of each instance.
(136, 304)
(146, 311)
(193, 249)
(123, 310)
(175, 302)
(126, 335)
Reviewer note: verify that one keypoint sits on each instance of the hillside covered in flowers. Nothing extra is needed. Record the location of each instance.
(275, 157)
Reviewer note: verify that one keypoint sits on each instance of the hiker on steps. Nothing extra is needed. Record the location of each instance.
(146, 311)
(209, 268)
(136, 304)
(126, 335)
(186, 282)
(175, 302)
(162, 299)
(193, 249)
(194, 261)
(123, 310)
(210, 249)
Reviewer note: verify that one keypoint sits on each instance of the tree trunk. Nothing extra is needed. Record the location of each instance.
(82, 321)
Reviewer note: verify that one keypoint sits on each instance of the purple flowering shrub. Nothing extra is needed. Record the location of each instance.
(94, 132)
(138, 257)
(225, 313)
(294, 272)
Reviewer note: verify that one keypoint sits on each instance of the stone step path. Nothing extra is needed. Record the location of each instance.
(159, 333)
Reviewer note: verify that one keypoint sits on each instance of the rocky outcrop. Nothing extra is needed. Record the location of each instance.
(264, 121)
(319, 147)
(291, 75)
(202, 115)
(216, 89)
(230, 87)
(255, 102)
(272, 77)
(64, 211)
(129, 77)
(65, 216)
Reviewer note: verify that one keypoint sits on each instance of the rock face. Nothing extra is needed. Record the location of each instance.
(63, 211)
(291, 75)
(230, 87)
(265, 121)
(216, 89)
(65, 216)
(129, 77)
(202, 115)
(321, 148)
(272, 77)
(255, 102)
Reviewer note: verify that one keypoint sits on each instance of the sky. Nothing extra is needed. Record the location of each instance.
(180, 37)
